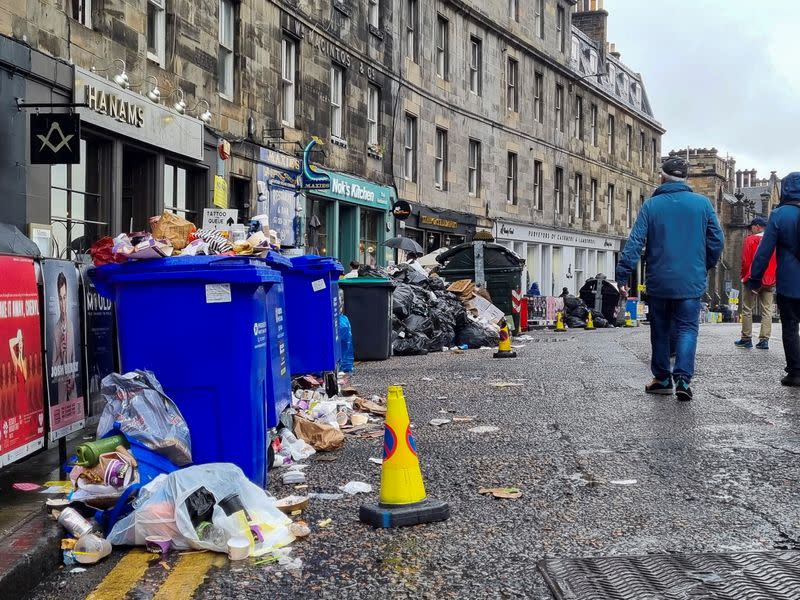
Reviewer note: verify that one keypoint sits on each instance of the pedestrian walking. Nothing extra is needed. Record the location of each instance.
(682, 239)
(782, 237)
(764, 297)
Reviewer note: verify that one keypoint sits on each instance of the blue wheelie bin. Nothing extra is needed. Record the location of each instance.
(312, 313)
(199, 323)
(279, 385)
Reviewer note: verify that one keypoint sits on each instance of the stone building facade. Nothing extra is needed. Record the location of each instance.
(513, 117)
(505, 119)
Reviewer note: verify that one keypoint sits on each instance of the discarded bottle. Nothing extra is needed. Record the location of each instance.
(89, 453)
(71, 520)
(211, 534)
(91, 548)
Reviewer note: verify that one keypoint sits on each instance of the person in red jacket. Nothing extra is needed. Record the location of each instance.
(764, 296)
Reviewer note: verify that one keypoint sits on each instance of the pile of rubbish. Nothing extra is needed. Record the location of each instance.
(171, 235)
(135, 485)
(576, 313)
(429, 317)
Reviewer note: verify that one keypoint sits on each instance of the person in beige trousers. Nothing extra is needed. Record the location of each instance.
(765, 296)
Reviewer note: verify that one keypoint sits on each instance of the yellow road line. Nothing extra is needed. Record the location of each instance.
(121, 579)
(185, 577)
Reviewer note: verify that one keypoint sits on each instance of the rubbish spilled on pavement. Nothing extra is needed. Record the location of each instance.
(483, 429)
(510, 493)
(356, 487)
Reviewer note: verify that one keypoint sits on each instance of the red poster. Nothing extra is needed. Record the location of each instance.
(21, 379)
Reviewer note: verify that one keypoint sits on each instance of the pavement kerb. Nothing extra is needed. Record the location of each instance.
(28, 554)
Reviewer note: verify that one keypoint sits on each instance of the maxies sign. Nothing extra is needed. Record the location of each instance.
(113, 106)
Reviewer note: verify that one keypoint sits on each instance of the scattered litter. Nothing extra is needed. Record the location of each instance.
(359, 419)
(426, 379)
(466, 419)
(623, 482)
(483, 429)
(291, 564)
(439, 422)
(291, 504)
(164, 565)
(377, 461)
(369, 406)
(523, 338)
(510, 493)
(26, 487)
(356, 487)
(269, 559)
(294, 477)
(326, 458)
(324, 496)
(440, 398)
(77, 570)
(299, 529)
(324, 523)
(505, 384)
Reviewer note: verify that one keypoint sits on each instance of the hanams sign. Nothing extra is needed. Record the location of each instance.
(55, 139)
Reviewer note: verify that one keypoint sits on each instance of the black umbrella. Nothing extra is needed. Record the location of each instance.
(403, 243)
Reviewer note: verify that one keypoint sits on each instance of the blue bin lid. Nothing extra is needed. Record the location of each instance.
(312, 262)
(277, 260)
(199, 269)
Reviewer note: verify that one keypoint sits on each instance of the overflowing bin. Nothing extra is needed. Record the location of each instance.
(199, 323)
(312, 313)
(279, 383)
(368, 305)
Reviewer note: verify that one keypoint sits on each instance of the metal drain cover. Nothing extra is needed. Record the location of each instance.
(738, 576)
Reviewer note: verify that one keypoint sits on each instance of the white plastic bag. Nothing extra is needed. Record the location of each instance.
(164, 511)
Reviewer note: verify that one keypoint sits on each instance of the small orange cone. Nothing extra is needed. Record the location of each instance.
(402, 498)
(504, 345)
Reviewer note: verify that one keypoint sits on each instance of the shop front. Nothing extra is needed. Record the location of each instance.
(350, 220)
(137, 159)
(557, 259)
(277, 174)
(437, 228)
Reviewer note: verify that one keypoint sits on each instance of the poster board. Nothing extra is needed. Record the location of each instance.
(21, 369)
(100, 347)
(63, 348)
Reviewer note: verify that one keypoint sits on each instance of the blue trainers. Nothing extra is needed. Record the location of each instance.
(682, 390)
(744, 343)
(763, 345)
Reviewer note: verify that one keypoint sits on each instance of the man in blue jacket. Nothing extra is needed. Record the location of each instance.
(683, 242)
(783, 234)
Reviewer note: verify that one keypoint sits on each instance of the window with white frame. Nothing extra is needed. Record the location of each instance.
(579, 119)
(288, 70)
(593, 200)
(578, 199)
(612, 135)
(539, 17)
(373, 13)
(628, 209)
(580, 267)
(561, 29)
(593, 124)
(156, 32)
(474, 168)
(410, 148)
(512, 98)
(628, 142)
(576, 48)
(337, 84)
(538, 185)
(442, 34)
(558, 190)
(373, 114)
(610, 201)
(225, 56)
(513, 9)
(511, 178)
(641, 149)
(81, 11)
(440, 160)
(411, 29)
(654, 153)
(538, 97)
(592, 62)
(475, 65)
(560, 107)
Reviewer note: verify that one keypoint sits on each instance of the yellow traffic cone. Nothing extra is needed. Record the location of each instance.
(402, 497)
(560, 322)
(628, 321)
(590, 322)
(504, 345)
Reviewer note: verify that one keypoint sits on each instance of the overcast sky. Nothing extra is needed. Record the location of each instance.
(721, 73)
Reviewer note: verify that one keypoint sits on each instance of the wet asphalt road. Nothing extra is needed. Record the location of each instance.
(718, 474)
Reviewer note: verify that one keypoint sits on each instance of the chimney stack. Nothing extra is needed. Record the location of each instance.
(739, 179)
(612, 50)
(593, 22)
